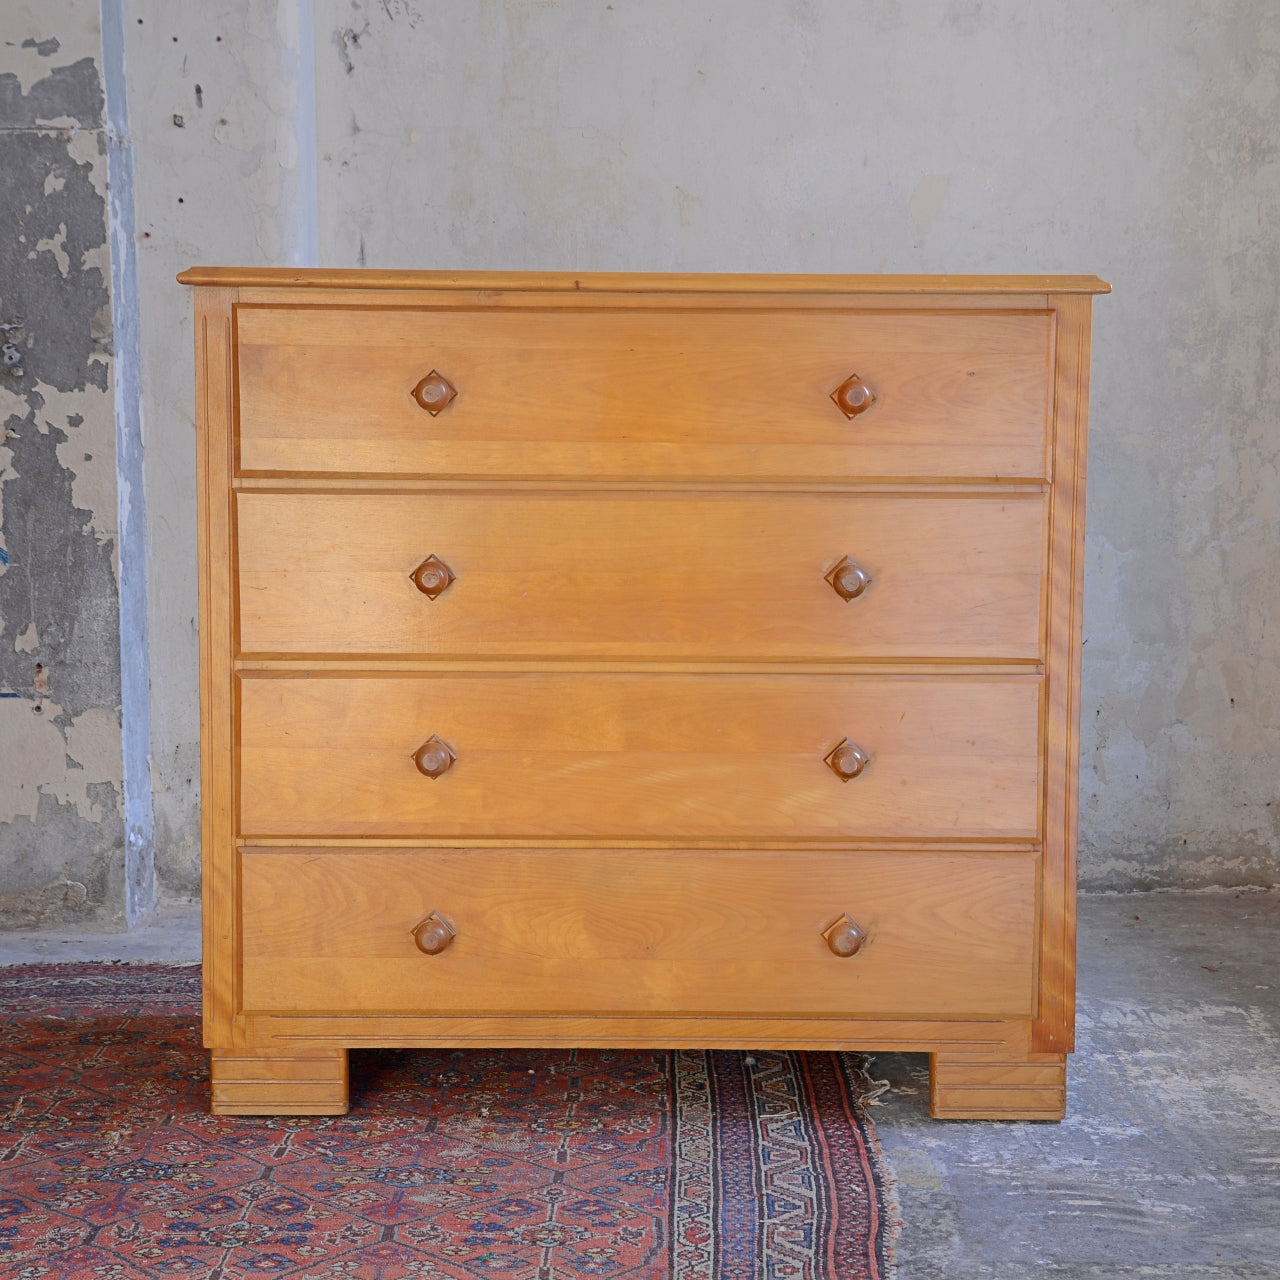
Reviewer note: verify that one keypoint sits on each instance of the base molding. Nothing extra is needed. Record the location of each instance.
(261, 1083)
(979, 1071)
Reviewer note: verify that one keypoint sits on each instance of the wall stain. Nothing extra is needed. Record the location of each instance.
(61, 827)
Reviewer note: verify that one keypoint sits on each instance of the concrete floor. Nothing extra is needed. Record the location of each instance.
(169, 935)
(1168, 1165)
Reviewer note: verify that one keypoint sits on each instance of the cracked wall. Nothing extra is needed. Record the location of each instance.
(61, 825)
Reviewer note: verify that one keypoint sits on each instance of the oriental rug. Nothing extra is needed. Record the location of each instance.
(458, 1164)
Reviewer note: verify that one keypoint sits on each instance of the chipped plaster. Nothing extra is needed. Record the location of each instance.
(63, 760)
(61, 829)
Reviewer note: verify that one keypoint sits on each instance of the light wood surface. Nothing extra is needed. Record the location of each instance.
(707, 577)
(620, 392)
(573, 931)
(1055, 1021)
(303, 1082)
(296, 279)
(637, 669)
(296, 1030)
(215, 392)
(641, 755)
(998, 1086)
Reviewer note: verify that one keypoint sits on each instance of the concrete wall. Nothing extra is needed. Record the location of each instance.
(61, 773)
(213, 99)
(1135, 140)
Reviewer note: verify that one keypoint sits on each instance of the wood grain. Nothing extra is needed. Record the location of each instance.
(615, 931)
(620, 392)
(296, 1031)
(348, 297)
(995, 1086)
(215, 376)
(577, 283)
(1055, 1024)
(309, 1081)
(704, 577)
(641, 755)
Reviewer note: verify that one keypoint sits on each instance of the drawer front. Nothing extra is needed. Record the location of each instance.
(659, 576)
(588, 931)
(620, 393)
(642, 756)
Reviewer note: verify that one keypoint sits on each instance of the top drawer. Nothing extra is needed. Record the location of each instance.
(618, 393)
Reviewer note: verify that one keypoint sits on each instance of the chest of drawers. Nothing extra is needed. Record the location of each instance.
(640, 660)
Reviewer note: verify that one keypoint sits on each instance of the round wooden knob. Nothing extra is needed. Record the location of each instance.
(434, 757)
(846, 760)
(432, 577)
(434, 934)
(853, 397)
(849, 580)
(434, 393)
(845, 937)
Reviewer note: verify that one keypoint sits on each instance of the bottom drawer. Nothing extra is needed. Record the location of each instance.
(571, 931)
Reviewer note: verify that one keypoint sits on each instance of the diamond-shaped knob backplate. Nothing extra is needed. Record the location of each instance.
(433, 934)
(853, 396)
(434, 757)
(846, 760)
(848, 580)
(433, 577)
(845, 937)
(435, 393)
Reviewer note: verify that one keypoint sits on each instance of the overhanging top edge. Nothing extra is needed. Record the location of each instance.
(634, 282)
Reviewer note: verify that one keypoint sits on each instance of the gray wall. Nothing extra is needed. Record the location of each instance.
(61, 781)
(1137, 140)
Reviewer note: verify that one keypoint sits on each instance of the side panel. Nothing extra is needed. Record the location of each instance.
(215, 382)
(1055, 1024)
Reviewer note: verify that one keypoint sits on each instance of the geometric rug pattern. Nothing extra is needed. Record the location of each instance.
(452, 1164)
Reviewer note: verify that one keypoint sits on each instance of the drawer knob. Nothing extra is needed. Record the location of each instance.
(435, 393)
(434, 934)
(846, 759)
(434, 757)
(844, 937)
(853, 396)
(848, 580)
(433, 577)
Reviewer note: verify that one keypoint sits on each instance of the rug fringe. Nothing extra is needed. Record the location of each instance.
(886, 1179)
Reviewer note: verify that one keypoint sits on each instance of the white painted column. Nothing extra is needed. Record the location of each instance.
(135, 651)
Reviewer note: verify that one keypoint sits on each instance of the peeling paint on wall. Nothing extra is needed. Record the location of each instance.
(61, 829)
(47, 754)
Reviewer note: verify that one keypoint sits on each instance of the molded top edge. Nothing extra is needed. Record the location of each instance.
(631, 282)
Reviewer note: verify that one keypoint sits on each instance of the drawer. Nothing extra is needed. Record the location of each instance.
(712, 578)
(644, 756)
(613, 392)
(638, 931)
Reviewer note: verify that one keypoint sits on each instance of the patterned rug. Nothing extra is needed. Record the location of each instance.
(522, 1164)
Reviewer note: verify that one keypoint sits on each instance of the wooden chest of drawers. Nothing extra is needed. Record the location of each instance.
(640, 660)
